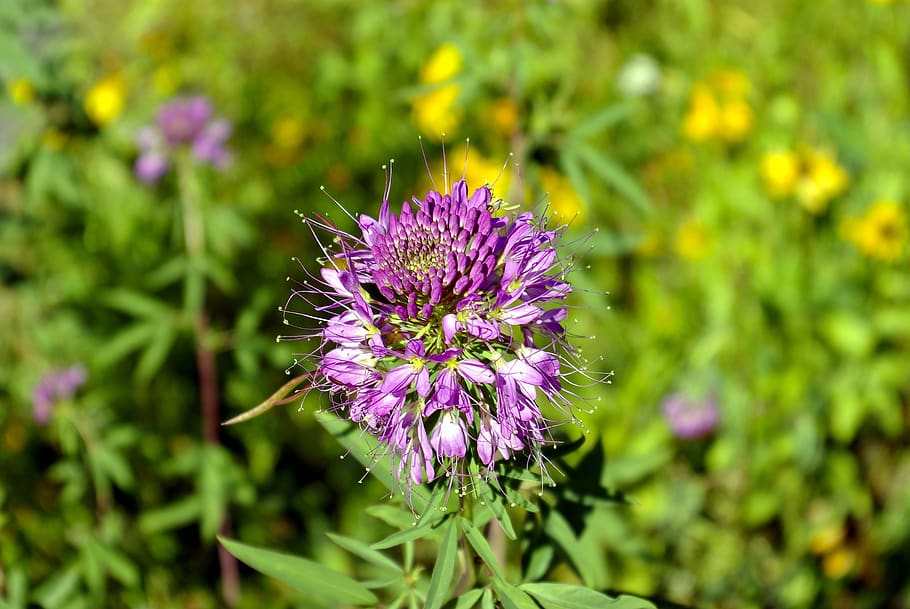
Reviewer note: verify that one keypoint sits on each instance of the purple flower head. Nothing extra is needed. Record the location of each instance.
(689, 418)
(185, 122)
(443, 335)
(54, 386)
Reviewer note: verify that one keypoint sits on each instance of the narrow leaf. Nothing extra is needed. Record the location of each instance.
(512, 597)
(445, 566)
(302, 574)
(616, 177)
(487, 601)
(466, 600)
(171, 516)
(481, 546)
(138, 304)
(359, 548)
(497, 504)
(568, 596)
(423, 528)
(604, 119)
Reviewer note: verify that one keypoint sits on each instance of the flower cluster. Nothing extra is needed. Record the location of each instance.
(880, 232)
(445, 327)
(183, 122)
(719, 108)
(54, 386)
(812, 175)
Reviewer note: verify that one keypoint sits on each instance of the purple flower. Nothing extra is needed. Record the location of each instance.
(184, 122)
(443, 331)
(689, 418)
(54, 386)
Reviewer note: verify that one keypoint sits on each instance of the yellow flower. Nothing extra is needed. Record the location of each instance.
(435, 111)
(880, 233)
(504, 115)
(692, 240)
(780, 172)
(718, 108)
(827, 538)
(443, 64)
(703, 116)
(104, 101)
(839, 563)
(822, 180)
(564, 203)
(736, 120)
(478, 170)
(21, 91)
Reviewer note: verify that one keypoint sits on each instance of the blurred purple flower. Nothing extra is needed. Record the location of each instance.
(54, 386)
(690, 418)
(182, 122)
(444, 331)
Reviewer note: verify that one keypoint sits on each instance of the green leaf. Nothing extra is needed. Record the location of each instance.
(157, 351)
(496, 503)
(466, 600)
(137, 304)
(423, 528)
(585, 562)
(487, 601)
(359, 548)
(132, 338)
(539, 561)
(171, 516)
(481, 546)
(54, 592)
(616, 177)
(397, 517)
(512, 597)
(445, 566)
(604, 119)
(304, 575)
(352, 438)
(568, 596)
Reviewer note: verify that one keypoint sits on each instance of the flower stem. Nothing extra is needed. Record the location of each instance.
(194, 306)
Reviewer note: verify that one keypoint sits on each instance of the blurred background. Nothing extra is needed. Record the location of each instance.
(738, 169)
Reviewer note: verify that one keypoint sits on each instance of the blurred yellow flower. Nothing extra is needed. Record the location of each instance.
(692, 240)
(443, 64)
(719, 109)
(780, 172)
(564, 203)
(478, 170)
(880, 233)
(839, 563)
(504, 115)
(827, 538)
(736, 120)
(812, 175)
(434, 111)
(21, 91)
(105, 99)
(701, 120)
(822, 180)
